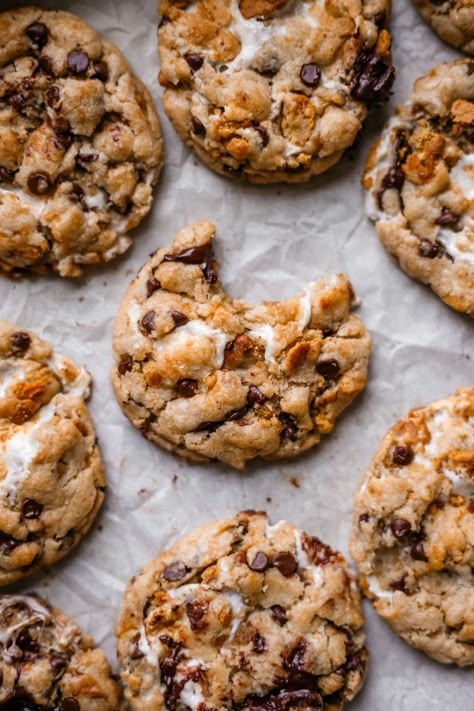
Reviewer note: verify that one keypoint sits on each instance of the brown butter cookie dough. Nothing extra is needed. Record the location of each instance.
(452, 20)
(413, 529)
(47, 663)
(419, 179)
(51, 474)
(274, 90)
(241, 615)
(210, 377)
(80, 145)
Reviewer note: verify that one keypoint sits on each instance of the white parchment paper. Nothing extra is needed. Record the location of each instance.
(271, 242)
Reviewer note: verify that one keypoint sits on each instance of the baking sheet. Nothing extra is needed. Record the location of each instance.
(271, 242)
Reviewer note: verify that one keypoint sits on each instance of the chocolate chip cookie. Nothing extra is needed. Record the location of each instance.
(210, 377)
(47, 663)
(51, 473)
(272, 90)
(243, 615)
(413, 529)
(80, 145)
(452, 20)
(419, 179)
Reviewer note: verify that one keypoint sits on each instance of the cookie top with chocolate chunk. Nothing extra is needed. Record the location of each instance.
(413, 529)
(80, 145)
(242, 615)
(273, 90)
(210, 377)
(47, 663)
(51, 473)
(419, 179)
(452, 20)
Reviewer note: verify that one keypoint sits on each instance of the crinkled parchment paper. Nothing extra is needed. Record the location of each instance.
(271, 242)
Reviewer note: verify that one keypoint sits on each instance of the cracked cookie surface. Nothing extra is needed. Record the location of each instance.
(419, 179)
(243, 615)
(413, 529)
(80, 145)
(51, 474)
(452, 20)
(47, 663)
(210, 377)
(274, 90)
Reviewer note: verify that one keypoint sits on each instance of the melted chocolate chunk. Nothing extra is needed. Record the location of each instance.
(418, 552)
(198, 127)
(329, 369)
(202, 255)
(45, 65)
(400, 527)
(364, 518)
(258, 643)
(179, 318)
(8, 543)
(69, 704)
(101, 71)
(428, 249)
(78, 62)
(5, 175)
(125, 365)
(86, 158)
(20, 341)
(290, 426)
(310, 75)
(194, 60)
(285, 562)
(187, 387)
(148, 321)
(152, 285)
(254, 396)
(373, 78)
(196, 611)
(58, 664)
(264, 135)
(31, 509)
(284, 700)
(395, 178)
(260, 563)
(448, 218)
(318, 552)
(279, 614)
(38, 34)
(17, 101)
(39, 183)
(402, 455)
(175, 571)
(399, 584)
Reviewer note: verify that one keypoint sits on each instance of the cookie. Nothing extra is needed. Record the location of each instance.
(419, 179)
(243, 615)
(452, 20)
(273, 90)
(80, 145)
(51, 473)
(413, 529)
(46, 662)
(210, 377)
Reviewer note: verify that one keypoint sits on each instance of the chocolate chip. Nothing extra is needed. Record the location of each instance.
(53, 97)
(329, 369)
(264, 135)
(364, 518)
(17, 101)
(31, 509)
(152, 285)
(179, 318)
(236, 415)
(373, 78)
(45, 65)
(5, 175)
(69, 704)
(310, 74)
(20, 341)
(254, 396)
(399, 584)
(137, 653)
(192, 255)
(285, 562)
(86, 157)
(380, 19)
(39, 183)
(258, 643)
(198, 127)
(38, 33)
(195, 61)
(296, 657)
(187, 387)
(196, 611)
(290, 426)
(125, 365)
(164, 21)
(101, 71)
(7, 543)
(58, 664)
(260, 563)
(78, 62)
(279, 614)
(328, 332)
(418, 552)
(428, 249)
(400, 527)
(448, 218)
(402, 454)
(175, 571)
(148, 321)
